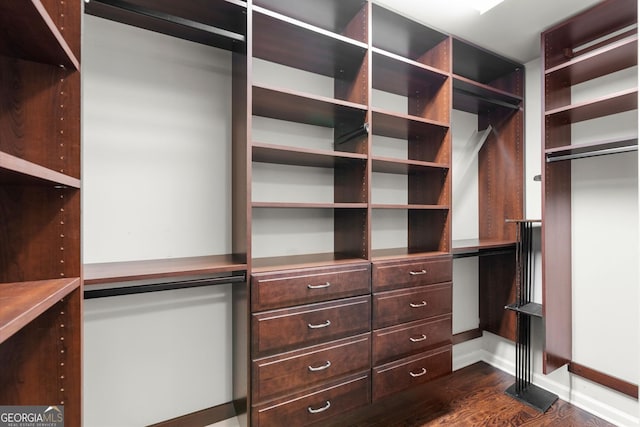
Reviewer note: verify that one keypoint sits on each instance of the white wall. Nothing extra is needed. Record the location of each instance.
(151, 104)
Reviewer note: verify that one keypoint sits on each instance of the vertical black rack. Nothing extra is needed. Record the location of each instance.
(523, 390)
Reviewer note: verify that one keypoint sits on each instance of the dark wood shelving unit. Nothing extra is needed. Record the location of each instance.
(609, 32)
(40, 271)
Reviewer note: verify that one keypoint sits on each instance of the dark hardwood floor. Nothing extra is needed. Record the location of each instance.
(472, 396)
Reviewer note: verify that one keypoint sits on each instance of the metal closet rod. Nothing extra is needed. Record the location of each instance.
(171, 18)
(165, 286)
(359, 131)
(595, 153)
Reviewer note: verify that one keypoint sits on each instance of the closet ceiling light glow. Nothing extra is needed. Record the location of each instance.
(483, 6)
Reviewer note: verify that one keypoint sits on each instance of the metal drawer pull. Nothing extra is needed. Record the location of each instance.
(320, 368)
(326, 285)
(422, 338)
(418, 273)
(317, 411)
(422, 304)
(321, 325)
(419, 374)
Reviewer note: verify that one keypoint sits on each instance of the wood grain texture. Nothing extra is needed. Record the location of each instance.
(470, 397)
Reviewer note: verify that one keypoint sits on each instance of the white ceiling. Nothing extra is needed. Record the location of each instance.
(512, 28)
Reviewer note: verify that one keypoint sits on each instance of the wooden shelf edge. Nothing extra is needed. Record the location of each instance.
(389, 254)
(618, 102)
(23, 169)
(483, 90)
(434, 71)
(406, 117)
(468, 246)
(300, 156)
(399, 164)
(296, 205)
(127, 271)
(410, 207)
(35, 297)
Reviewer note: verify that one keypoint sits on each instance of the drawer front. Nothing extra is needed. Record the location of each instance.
(406, 305)
(287, 288)
(412, 371)
(286, 329)
(316, 405)
(404, 274)
(310, 366)
(410, 338)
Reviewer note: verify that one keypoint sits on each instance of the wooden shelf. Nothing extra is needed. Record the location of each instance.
(14, 170)
(403, 253)
(614, 103)
(285, 155)
(111, 272)
(331, 15)
(474, 97)
(395, 74)
(477, 246)
(600, 20)
(293, 43)
(404, 167)
(283, 104)
(403, 36)
(22, 302)
(404, 126)
(293, 205)
(590, 148)
(218, 23)
(301, 261)
(479, 65)
(616, 56)
(413, 207)
(28, 32)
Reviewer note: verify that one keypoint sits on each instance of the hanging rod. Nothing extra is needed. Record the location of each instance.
(166, 286)
(359, 131)
(595, 153)
(489, 100)
(124, 5)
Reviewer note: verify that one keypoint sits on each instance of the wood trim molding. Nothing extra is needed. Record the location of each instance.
(603, 379)
(201, 418)
(469, 335)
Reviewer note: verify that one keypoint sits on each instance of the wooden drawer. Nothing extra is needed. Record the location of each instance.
(292, 287)
(411, 371)
(416, 272)
(406, 305)
(286, 329)
(310, 366)
(410, 338)
(315, 405)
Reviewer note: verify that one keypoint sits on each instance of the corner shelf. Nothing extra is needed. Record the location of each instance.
(24, 301)
(32, 35)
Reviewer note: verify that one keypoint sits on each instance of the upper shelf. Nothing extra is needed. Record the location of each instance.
(481, 66)
(404, 126)
(599, 21)
(395, 74)
(294, 43)
(473, 97)
(22, 302)
(279, 154)
(617, 55)
(16, 170)
(111, 272)
(28, 32)
(614, 103)
(409, 39)
(218, 23)
(299, 107)
(345, 17)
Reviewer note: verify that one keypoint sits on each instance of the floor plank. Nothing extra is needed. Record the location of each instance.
(472, 396)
